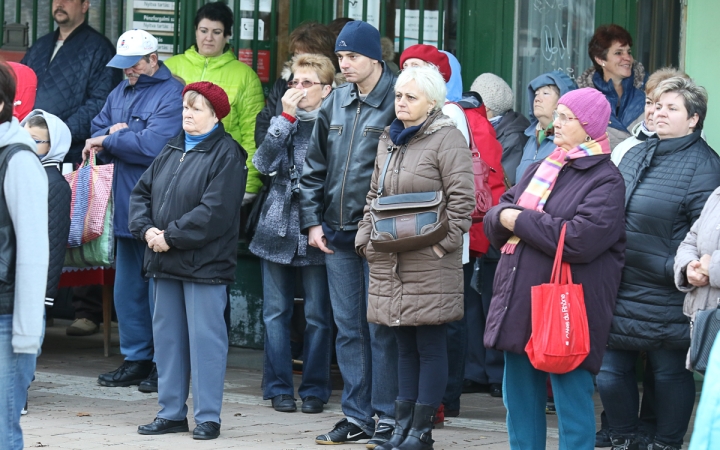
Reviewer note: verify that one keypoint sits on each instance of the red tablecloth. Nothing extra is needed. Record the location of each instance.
(87, 277)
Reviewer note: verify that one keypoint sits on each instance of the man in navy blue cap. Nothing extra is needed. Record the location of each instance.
(139, 117)
(333, 187)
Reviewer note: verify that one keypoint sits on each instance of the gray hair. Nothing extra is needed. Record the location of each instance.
(428, 80)
(694, 97)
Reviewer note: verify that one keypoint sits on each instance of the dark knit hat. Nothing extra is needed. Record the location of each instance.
(430, 54)
(591, 108)
(360, 37)
(215, 95)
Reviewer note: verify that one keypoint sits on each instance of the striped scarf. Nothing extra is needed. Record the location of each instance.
(536, 194)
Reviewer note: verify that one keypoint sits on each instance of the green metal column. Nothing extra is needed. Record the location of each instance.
(485, 38)
(310, 10)
(619, 12)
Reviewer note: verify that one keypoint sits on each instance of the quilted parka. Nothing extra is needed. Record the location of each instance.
(243, 89)
(667, 183)
(76, 83)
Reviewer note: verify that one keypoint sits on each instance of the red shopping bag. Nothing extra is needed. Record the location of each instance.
(560, 339)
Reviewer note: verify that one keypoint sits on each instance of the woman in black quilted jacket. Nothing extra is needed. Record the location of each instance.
(668, 178)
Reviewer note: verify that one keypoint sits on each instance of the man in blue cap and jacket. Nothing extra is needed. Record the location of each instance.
(140, 116)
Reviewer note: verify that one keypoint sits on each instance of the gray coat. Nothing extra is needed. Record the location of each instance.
(278, 237)
(703, 239)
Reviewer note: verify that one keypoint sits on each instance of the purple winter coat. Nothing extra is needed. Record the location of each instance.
(589, 196)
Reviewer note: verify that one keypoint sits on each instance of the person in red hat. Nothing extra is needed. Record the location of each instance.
(186, 208)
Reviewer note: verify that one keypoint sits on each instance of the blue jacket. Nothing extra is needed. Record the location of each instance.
(630, 105)
(76, 83)
(532, 151)
(454, 86)
(152, 109)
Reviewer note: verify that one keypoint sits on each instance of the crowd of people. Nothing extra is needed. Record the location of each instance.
(416, 308)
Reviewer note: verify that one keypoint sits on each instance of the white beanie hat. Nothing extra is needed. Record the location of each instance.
(495, 92)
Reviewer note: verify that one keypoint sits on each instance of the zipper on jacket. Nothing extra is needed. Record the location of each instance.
(372, 130)
(172, 182)
(207, 61)
(398, 166)
(337, 128)
(347, 164)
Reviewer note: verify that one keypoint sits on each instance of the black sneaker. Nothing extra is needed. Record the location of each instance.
(602, 438)
(128, 374)
(343, 431)
(383, 433)
(149, 384)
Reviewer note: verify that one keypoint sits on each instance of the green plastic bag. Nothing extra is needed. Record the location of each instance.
(100, 252)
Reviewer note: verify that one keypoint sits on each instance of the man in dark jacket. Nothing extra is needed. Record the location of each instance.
(333, 187)
(140, 116)
(72, 78)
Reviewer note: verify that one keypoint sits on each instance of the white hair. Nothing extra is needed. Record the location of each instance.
(428, 80)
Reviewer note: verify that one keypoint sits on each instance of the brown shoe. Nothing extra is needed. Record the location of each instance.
(82, 327)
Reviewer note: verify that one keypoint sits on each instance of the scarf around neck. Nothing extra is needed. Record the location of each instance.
(307, 116)
(537, 192)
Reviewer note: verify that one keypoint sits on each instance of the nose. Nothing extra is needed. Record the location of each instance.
(344, 63)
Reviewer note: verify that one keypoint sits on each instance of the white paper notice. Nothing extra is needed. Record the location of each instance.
(412, 28)
(249, 5)
(246, 29)
(355, 10)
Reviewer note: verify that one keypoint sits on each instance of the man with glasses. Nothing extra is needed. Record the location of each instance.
(333, 188)
(73, 82)
(140, 116)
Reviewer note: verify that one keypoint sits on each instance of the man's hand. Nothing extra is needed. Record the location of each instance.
(117, 127)
(95, 143)
(150, 234)
(694, 277)
(508, 216)
(158, 244)
(291, 99)
(316, 238)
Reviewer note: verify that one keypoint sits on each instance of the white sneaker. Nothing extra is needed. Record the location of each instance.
(24, 410)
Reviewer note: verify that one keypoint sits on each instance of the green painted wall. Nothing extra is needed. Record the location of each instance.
(619, 12)
(701, 61)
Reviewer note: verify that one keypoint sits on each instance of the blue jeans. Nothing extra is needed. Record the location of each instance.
(525, 394)
(366, 353)
(422, 364)
(192, 342)
(16, 373)
(674, 385)
(278, 302)
(133, 303)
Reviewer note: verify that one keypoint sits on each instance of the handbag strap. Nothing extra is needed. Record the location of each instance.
(381, 181)
(559, 271)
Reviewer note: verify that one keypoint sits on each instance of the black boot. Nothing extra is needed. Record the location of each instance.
(403, 420)
(420, 435)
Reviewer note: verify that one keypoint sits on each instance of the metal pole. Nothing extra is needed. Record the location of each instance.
(34, 21)
(383, 19)
(273, 38)
(402, 25)
(102, 17)
(364, 10)
(121, 17)
(238, 26)
(256, 20)
(346, 8)
(441, 23)
(421, 22)
(176, 29)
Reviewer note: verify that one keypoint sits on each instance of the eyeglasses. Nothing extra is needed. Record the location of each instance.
(562, 119)
(41, 142)
(307, 84)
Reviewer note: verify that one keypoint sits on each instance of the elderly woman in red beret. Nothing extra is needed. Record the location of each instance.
(186, 207)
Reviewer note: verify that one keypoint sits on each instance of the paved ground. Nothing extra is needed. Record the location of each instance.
(68, 410)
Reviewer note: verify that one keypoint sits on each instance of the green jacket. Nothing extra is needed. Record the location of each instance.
(244, 91)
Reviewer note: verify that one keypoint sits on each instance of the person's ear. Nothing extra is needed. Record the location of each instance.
(600, 61)
(326, 90)
(85, 6)
(692, 121)
(154, 59)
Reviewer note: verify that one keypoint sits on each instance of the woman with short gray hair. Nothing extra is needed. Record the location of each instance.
(418, 291)
(667, 183)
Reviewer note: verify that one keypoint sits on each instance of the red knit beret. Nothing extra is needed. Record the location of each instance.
(430, 54)
(215, 95)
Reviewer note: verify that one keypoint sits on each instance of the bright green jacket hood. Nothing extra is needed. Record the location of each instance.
(242, 86)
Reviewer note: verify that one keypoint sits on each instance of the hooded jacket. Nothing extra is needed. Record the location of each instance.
(667, 183)
(341, 154)
(454, 86)
(26, 87)
(243, 88)
(417, 287)
(532, 151)
(152, 109)
(511, 135)
(23, 237)
(59, 198)
(194, 196)
(639, 136)
(76, 83)
(626, 111)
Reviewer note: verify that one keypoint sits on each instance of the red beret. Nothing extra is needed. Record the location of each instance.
(430, 54)
(215, 95)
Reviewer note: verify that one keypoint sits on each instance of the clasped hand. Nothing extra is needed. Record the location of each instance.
(155, 239)
(698, 272)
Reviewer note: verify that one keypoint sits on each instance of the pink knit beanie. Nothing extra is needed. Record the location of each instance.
(592, 109)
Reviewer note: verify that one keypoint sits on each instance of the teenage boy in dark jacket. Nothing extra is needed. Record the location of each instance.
(333, 188)
(140, 116)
